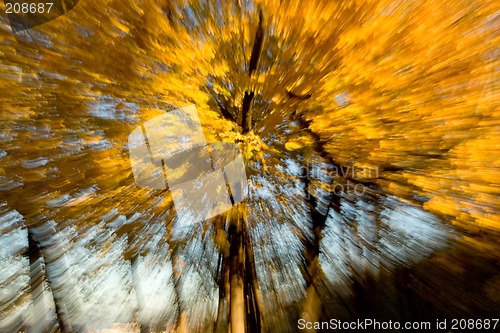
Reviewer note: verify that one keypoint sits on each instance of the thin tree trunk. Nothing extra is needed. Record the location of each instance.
(134, 261)
(37, 278)
(181, 325)
(311, 305)
(221, 323)
(222, 104)
(222, 275)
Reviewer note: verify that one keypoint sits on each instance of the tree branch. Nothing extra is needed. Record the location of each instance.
(223, 110)
(246, 113)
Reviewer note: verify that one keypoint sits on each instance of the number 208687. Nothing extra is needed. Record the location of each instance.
(28, 8)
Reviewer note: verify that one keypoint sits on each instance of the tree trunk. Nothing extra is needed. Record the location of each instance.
(254, 299)
(38, 276)
(237, 277)
(311, 305)
(246, 113)
(246, 110)
(134, 262)
(221, 323)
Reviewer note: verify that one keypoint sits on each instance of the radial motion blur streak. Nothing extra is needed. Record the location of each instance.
(370, 133)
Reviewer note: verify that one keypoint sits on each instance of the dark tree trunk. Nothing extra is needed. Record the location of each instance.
(38, 276)
(246, 114)
(222, 321)
(221, 104)
(246, 108)
(312, 304)
(257, 46)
